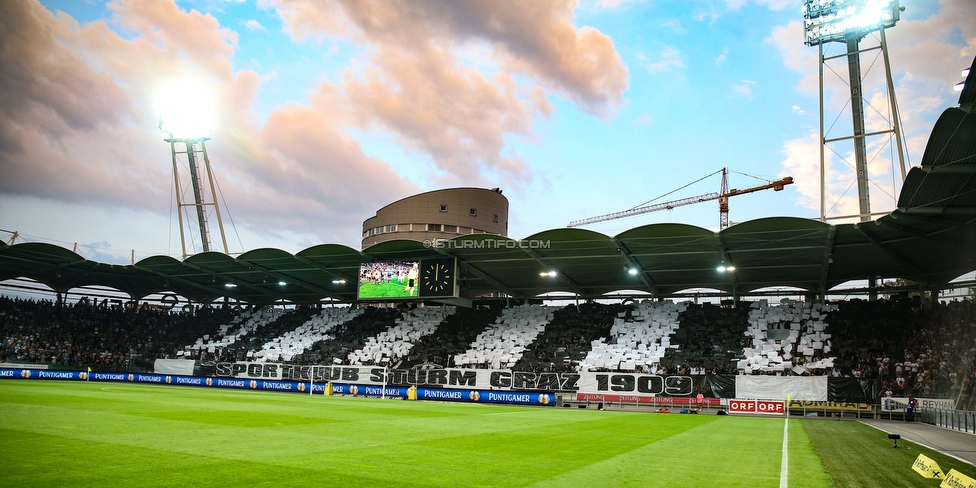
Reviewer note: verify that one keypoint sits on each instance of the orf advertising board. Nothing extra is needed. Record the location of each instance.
(763, 407)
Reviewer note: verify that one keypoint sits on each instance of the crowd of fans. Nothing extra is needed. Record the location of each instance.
(103, 336)
(910, 346)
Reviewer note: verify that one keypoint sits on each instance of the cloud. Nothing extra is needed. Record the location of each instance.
(797, 110)
(534, 38)
(670, 60)
(721, 57)
(457, 115)
(78, 126)
(254, 25)
(643, 120)
(744, 88)
(802, 162)
(613, 4)
(776, 5)
(58, 113)
(710, 13)
(674, 25)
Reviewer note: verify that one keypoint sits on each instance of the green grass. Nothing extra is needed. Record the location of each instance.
(854, 454)
(98, 434)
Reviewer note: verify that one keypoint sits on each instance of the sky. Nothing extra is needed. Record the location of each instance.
(327, 110)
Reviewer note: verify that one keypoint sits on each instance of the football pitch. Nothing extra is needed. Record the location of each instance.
(55, 433)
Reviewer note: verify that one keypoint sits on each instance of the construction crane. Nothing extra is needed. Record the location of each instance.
(722, 197)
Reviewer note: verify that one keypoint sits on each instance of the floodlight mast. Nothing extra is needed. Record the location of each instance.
(195, 148)
(848, 22)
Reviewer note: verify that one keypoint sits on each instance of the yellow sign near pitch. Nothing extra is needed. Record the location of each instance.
(955, 479)
(928, 468)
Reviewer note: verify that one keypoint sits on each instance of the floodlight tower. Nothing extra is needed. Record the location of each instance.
(186, 122)
(848, 22)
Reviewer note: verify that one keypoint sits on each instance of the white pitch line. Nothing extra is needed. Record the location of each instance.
(784, 467)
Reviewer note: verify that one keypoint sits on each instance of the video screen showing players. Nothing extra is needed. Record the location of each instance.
(389, 279)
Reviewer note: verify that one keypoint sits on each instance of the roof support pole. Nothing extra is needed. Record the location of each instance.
(828, 259)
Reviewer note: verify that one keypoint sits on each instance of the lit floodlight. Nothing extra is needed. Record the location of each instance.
(550, 274)
(959, 86)
(632, 271)
(231, 285)
(720, 269)
(185, 110)
(965, 73)
(282, 283)
(832, 20)
(338, 282)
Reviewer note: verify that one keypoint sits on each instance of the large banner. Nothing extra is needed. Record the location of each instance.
(174, 366)
(813, 388)
(636, 384)
(470, 379)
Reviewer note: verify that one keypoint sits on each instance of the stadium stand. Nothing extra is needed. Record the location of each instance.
(502, 344)
(350, 336)
(638, 339)
(911, 346)
(295, 342)
(566, 340)
(709, 338)
(453, 337)
(390, 346)
(788, 338)
(97, 336)
(221, 344)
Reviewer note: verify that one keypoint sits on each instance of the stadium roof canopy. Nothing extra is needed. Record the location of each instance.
(929, 239)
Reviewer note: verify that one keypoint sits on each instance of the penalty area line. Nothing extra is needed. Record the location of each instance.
(784, 467)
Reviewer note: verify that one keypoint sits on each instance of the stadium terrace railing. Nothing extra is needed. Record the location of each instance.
(961, 420)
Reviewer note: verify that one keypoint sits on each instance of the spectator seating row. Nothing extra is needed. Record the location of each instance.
(790, 337)
(927, 347)
(395, 343)
(502, 344)
(638, 338)
(295, 342)
(229, 333)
